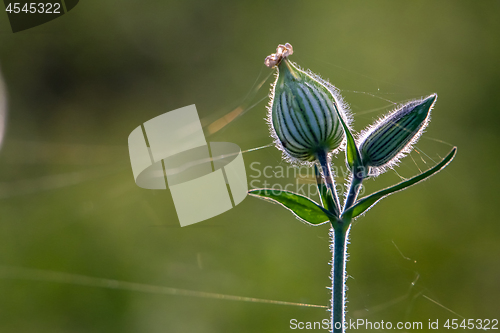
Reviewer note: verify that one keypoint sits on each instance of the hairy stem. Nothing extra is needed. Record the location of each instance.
(339, 248)
(329, 180)
(353, 192)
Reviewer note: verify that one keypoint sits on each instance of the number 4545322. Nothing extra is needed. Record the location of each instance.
(484, 324)
(34, 7)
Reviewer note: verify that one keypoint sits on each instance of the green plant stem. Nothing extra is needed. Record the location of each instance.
(339, 236)
(353, 193)
(329, 180)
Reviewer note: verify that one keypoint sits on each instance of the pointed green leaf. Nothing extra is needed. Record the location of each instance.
(325, 194)
(301, 206)
(352, 152)
(363, 204)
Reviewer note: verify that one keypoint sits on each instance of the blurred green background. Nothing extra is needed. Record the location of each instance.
(78, 85)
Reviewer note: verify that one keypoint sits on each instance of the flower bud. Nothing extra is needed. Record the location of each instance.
(303, 111)
(383, 144)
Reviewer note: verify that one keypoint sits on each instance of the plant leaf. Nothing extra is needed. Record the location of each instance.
(325, 194)
(352, 152)
(301, 206)
(363, 204)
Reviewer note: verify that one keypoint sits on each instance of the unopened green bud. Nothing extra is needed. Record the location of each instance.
(303, 111)
(384, 143)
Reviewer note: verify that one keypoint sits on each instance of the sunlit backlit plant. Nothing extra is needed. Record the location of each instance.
(309, 122)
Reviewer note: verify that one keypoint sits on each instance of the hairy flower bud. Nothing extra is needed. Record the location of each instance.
(304, 110)
(383, 144)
